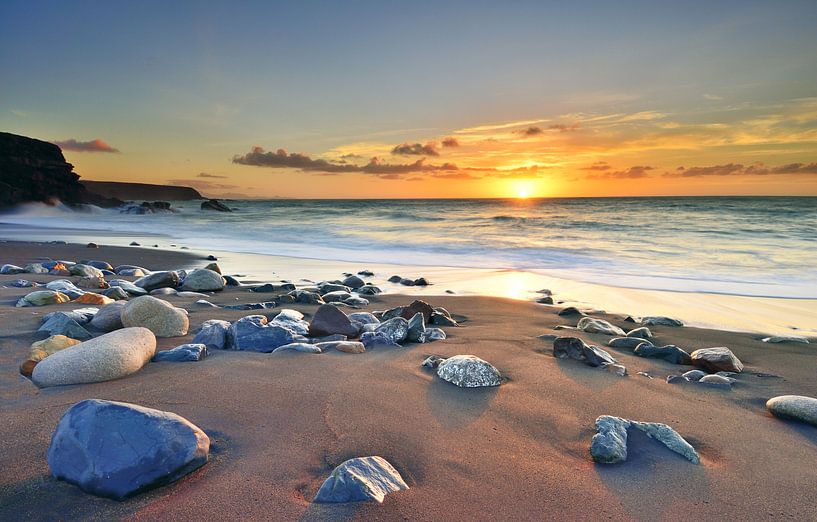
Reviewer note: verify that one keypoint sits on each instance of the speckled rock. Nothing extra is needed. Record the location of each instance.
(160, 317)
(361, 479)
(203, 280)
(434, 334)
(116, 450)
(469, 371)
(395, 329)
(416, 332)
(794, 407)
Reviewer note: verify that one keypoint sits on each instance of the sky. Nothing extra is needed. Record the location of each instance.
(361, 99)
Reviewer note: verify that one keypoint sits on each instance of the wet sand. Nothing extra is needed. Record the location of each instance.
(280, 423)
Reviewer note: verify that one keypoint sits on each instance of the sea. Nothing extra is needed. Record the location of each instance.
(737, 246)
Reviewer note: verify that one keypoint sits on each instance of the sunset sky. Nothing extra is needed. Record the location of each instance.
(412, 99)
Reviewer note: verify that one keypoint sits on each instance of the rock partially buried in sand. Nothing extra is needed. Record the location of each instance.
(299, 347)
(469, 371)
(627, 342)
(361, 479)
(575, 348)
(203, 280)
(609, 445)
(42, 298)
(669, 353)
(661, 321)
(794, 407)
(786, 339)
(592, 325)
(110, 356)
(716, 360)
(160, 317)
(183, 353)
(116, 449)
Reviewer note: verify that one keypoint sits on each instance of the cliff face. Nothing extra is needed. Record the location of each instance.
(141, 191)
(34, 170)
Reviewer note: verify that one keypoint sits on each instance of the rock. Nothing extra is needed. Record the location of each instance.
(164, 291)
(407, 282)
(609, 445)
(433, 361)
(395, 279)
(548, 300)
(417, 306)
(395, 329)
(660, 321)
(11, 269)
(160, 317)
(166, 279)
(592, 325)
(93, 299)
(570, 310)
(786, 339)
(292, 320)
(345, 346)
(66, 287)
(641, 333)
(231, 281)
(717, 380)
(629, 343)
(116, 293)
(368, 289)
(306, 297)
(669, 353)
(85, 271)
(694, 375)
(115, 449)
(42, 349)
(183, 353)
(353, 282)
(92, 245)
(110, 356)
(203, 280)
(365, 273)
(102, 265)
(371, 338)
(328, 339)
(337, 296)
(273, 287)
(61, 323)
(794, 407)
(214, 267)
(252, 333)
(434, 334)
(42, 298)
(80, 315)
(618, 369)
(468, 371)
(416, 332)
(128, 287)
(214, 204)
(211, 257)
(299, 347)
(364, 318)
(35, 268)
(716, 359)
(355, 301)
(19, 283)
(329, 320)
(439, 319)
(421, 281)
(109, 317)
(327, 287)
(362, 478)
(575, 348)
(676, 379)
(213, 334)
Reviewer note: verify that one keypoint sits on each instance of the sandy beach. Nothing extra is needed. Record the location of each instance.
(279, 423)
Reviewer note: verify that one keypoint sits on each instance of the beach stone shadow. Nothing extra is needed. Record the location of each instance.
(455, 407)
(653, 478)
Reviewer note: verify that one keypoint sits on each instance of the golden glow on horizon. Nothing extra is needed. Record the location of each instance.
(524, 189)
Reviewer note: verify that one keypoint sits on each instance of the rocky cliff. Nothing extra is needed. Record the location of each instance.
(141, 191)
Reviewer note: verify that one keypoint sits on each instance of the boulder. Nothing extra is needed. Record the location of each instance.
(660, 321)
(592, 325)
(110, 356)
(213, 334)
(115, 449)
(575, 348)
(203, 280)
(166, 279)
(359, 479)
(109, 317)
(794, 407)
(669, 353)
(395, 329)
(468, 371)
(80, 315)
(329, 320)
(716, 360)
(371, 338)
(252, 333)
(570, 310)
(440, 319)
(368, 289)
(273, 287)
(11, 269)
(717, 380)
(42, 298)
(61, 323)
(336, 296)
(183, 353)
(85, 271)
(432, 361)
(93, 283)
(327, 287)
(160, 317)
(344, 346)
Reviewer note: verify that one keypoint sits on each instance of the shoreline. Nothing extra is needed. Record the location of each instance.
(720, 311)
(279, 423)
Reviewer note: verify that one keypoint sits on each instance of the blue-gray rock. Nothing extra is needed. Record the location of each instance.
(356, 301)
(434, 334)
(794, 407)
(293, 320)
(83, 270)
(369, 290)
(440, 319)
(11, 269)
(203, 280)
(122, 268)
(20, 283)
(231, 281)
(163, 291)
(353, 282)
(35, 268)
(593, 325)
(306, 297)
(676, 379)
(627, 343)
(128, 287)
(364, 318)
(109, 317)
(61, 323)
(661, 321)
(694, 375)
(299, 347)
(183, 353)
(115, 449)
(416, 332)
(669, 353)
(718, 381)
(66, 287)
(609, 445)
(370, 339)
(361, 479)
(642, 333)
(273, 287)
(575, 348)
(116, 293)
(336, 297)
(798, 339)
(165, 279)
(326, 287)
(212, 334)
(469, 371)
(394, 329)
(80, 315)
(102, 265)
(255, 335)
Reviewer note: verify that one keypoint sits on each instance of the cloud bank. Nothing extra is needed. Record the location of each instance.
(96, 145)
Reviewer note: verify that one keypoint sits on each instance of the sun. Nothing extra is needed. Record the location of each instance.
(523, 189)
